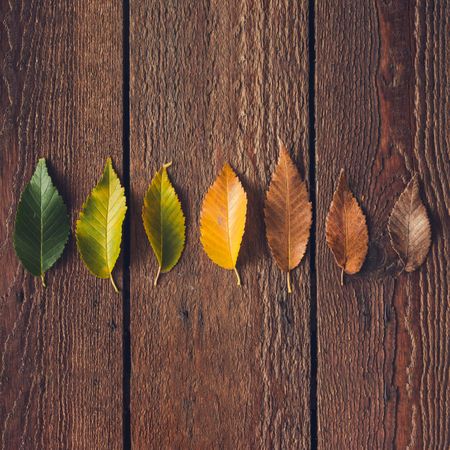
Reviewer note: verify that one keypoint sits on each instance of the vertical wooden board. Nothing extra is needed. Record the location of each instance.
(382, 103)
(61, 347)
(215, 365)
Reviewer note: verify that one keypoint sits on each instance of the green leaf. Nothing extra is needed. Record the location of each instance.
(164, 221)
(42, 225)
(99, 228)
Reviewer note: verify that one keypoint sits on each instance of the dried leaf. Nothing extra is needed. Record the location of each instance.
(222, 219)
(99, 227)
(409, 227)
(42, 225)
(164, 221)
(287, 215)
(346, 230)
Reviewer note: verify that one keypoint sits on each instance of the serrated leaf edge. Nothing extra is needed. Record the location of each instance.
(108, 161)
(42, 275)
(343, 271)
(413, 180)
(282, 146)
(238, 278)
(164, 170)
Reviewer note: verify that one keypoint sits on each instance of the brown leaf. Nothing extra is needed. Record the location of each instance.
(346, 230)
(287, 214)
(409, 227)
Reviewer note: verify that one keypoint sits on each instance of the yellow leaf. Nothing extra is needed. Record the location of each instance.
(222, 220)
(99, 227)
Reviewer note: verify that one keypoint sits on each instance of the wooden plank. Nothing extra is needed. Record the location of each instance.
(214, 365)
(61, 347)
(382, 104)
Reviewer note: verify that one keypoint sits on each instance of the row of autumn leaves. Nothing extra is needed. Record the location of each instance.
(42, 224)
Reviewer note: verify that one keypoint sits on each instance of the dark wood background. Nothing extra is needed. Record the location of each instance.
(198, 362)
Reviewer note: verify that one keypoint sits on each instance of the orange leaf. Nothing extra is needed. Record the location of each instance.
(346, 230)
(222, 219)
(409, 227)
(287, 215)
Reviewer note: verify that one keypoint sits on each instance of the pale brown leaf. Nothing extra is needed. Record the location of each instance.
(409, 227)
(287, 214)
(346, 230)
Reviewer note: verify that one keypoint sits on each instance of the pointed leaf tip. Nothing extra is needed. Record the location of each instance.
(409, 227)
(99, 226)
(281, 146)
(222, 219)
(227, 168)
(287, 214)
(346, 229)
(41, 227)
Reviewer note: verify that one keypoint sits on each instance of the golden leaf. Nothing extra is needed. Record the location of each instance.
(346, 230)
(222, 220)
(287, 215)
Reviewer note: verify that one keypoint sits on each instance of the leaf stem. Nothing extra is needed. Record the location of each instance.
(112, 282)
(342, 277)
(288, 278)
(157, 276)
(237, 276)
(166, 165)
(43, 280)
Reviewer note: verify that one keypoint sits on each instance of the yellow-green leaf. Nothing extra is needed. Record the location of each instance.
(222, 219)
(164, 221)
(99, 227)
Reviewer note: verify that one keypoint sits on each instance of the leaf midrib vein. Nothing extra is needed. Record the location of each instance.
(409, 224)
(107, 220)
(345, 229)
(42, 222)
(161, 218)
(228, 219)
(288, 213)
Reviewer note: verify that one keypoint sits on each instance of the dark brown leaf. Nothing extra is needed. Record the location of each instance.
(346, 230)
(287, 214)
(409, 227)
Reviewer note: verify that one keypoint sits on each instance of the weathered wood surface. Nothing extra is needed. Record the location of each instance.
(215, 365)
(61, 348)
(382, 102)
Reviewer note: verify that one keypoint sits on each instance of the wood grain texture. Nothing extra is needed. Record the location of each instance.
(61, 348)
(215, 365)
(382, 101)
